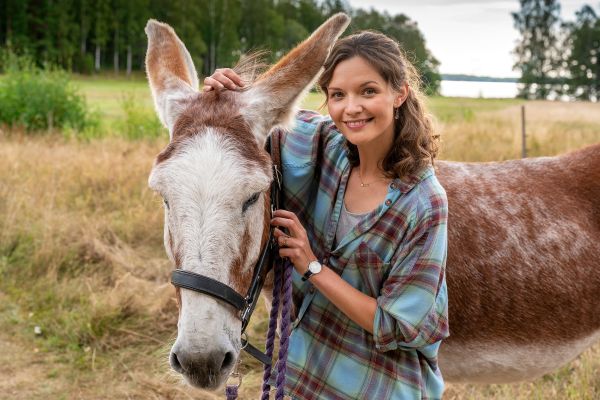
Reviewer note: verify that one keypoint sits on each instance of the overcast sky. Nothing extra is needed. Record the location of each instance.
(472, 37)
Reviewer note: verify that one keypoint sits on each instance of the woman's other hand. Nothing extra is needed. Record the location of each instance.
(294, 246)
(223, 78)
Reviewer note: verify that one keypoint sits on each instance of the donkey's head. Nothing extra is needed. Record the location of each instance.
(214, 178)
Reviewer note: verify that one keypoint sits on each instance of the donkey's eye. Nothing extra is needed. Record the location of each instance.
(250, 201)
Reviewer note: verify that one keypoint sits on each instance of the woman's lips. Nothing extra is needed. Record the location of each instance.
(357, 124)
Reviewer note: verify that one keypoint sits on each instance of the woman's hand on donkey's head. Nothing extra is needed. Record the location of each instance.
(222, 78)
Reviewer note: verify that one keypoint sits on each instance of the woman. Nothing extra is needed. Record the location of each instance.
(366, 231)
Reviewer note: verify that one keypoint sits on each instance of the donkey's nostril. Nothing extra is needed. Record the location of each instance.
(202, 370)
(227, 361)
(175, 364)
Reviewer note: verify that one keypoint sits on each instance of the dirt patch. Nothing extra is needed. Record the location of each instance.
(27, 373)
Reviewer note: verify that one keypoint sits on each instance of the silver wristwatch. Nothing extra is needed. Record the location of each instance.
(314, 267)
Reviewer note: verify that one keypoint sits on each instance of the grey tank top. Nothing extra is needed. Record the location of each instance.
(346, 223)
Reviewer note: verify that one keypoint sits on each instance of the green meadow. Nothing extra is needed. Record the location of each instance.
(86, 310)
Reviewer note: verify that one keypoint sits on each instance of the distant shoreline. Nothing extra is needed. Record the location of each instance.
(475, 78)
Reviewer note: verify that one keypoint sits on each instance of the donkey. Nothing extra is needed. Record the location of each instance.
(523, 268)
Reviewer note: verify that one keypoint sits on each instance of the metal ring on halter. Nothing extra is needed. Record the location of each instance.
(235, 374)
(245, 340)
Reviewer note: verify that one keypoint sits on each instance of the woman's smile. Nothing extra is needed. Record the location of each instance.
(357, 124)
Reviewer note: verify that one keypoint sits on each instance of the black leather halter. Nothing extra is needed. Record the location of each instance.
(244, 305)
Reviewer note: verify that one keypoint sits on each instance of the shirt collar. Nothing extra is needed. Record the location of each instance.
(407, 183)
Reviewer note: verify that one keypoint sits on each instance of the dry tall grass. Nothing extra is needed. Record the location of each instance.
(81, 256)
(495, 134)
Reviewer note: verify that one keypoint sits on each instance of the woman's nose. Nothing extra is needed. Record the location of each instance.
(353, 106)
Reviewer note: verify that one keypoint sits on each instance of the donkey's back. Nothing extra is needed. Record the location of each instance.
(523, 266)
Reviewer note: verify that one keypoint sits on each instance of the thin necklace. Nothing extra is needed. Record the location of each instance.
(362, 184)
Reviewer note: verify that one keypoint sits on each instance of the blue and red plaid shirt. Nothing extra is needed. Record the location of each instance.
(396, 254)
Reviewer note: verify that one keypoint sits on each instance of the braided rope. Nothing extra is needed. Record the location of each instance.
(286, 292)
(282, 287)
(272, 328)
(231, 392)
(282, 292)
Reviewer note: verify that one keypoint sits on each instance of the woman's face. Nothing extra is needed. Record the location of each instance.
(361, 103)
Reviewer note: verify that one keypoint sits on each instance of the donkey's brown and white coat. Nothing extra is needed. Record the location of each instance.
(523, 268)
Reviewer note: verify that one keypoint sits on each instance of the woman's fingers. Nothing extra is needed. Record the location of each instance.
(211, 83)
(291, 216)
(223, 78)
(292, 253)
(286, 214)
(282, 238)
(233, 77)
(289, 220)
(282, 222)
(287, 241)
(293, 228)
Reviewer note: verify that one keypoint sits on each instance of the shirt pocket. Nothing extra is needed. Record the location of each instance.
(371, 268)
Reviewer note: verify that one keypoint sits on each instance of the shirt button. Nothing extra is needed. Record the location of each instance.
(393, 185)
(311, 290)
(388, 202)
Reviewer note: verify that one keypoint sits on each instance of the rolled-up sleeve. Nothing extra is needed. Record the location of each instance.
(412, 309)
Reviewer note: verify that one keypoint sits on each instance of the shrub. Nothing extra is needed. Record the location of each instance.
(140, 122)
(40, 98)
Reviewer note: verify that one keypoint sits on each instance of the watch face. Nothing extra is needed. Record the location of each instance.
(314, 267)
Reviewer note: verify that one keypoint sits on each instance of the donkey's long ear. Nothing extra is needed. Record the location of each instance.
(170, 70)
(272, 99)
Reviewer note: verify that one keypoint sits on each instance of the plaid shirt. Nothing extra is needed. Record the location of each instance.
(397, 255)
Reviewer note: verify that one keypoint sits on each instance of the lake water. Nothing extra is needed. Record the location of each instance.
(479, 89)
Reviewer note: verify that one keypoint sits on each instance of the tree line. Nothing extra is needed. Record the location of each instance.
(88, 36)
(557, 57)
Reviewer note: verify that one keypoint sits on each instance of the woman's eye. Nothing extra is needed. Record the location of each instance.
(336, 95)
(250, 201)
(369, 91)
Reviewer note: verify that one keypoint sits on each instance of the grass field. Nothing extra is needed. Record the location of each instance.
(81, 252)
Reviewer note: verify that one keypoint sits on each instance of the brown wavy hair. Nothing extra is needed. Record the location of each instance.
(415, 143)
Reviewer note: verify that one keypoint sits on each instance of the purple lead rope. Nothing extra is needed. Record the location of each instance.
(282, 293)
(285, 322)
(231, 392)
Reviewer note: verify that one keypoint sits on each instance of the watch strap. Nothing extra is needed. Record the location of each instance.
(307, 275)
